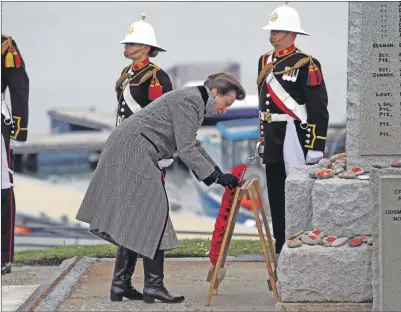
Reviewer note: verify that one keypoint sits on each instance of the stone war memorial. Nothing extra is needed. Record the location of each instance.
(343, 215)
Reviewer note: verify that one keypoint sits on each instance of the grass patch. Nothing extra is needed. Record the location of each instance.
(188, 248)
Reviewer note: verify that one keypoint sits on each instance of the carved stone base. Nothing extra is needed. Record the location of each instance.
(323, 307)
(325, 274)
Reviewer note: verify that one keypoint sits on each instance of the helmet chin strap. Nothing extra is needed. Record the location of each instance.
(280, 40)
(136, 55)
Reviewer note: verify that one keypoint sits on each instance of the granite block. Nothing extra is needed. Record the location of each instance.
(325, 274)
(298, 201)
(342, 207)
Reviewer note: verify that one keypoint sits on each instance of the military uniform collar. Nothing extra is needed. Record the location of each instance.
(141, 64)
(285, 51)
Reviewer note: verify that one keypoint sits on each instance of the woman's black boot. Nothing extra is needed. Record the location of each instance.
(154, 275)
(124, 268)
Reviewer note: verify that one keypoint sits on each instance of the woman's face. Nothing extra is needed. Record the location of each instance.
(135, 51)
(223, 101)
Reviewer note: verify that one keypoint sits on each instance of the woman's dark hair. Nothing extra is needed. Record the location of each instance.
(224, 83)
(153, 52)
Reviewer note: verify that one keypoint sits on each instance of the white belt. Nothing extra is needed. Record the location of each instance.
(301, 112)
(272, 117)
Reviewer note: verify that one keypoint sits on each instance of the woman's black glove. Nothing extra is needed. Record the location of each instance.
(227, 179)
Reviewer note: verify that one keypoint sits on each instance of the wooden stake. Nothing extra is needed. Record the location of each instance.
(256, 207)
(266, 224)
(250, 189)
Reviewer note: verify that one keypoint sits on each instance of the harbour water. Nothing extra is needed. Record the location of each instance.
(179, 187)
(48, 206)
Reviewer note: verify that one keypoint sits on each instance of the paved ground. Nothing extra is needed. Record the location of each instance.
(14, 295)
(243, 289)
(20, 284)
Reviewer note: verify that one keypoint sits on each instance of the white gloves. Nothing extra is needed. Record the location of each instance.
(14, 143)
(163, 163)
(313, 157)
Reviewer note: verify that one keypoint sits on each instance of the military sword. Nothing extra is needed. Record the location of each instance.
(258, 153)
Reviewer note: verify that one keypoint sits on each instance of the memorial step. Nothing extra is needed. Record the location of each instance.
(336, 206)
(325, 274)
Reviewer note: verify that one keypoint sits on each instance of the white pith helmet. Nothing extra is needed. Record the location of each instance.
(142, 32)
(285, 18)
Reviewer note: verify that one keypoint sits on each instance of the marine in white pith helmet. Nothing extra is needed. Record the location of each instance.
(142, 34)
(285, 18)
(292, 110)
(142, 81)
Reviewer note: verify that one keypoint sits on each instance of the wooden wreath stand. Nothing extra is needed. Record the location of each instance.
(250, 189)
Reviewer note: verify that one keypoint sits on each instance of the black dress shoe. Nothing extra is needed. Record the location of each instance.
(154, 275)
(5, 268)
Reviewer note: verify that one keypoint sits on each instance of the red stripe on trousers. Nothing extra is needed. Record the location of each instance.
(279, 103)
(11, 207)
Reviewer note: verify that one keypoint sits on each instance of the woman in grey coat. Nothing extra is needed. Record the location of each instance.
(126, 202)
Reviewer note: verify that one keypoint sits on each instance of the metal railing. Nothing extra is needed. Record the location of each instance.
(38, 237)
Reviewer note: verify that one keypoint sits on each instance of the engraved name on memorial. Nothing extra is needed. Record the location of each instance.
(380, 109)
(390, 242)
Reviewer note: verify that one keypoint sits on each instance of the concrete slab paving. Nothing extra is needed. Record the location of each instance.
(243, 289)
(20, 284)
(27, 275)
(13, 296)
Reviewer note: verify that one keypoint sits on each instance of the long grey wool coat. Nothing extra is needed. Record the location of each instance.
(126, 202)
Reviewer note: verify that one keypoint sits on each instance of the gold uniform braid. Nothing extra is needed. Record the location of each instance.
(269, 67)
(297, 65)
(265, 70)
(145, 77)
(124, 75)
(5, 45)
